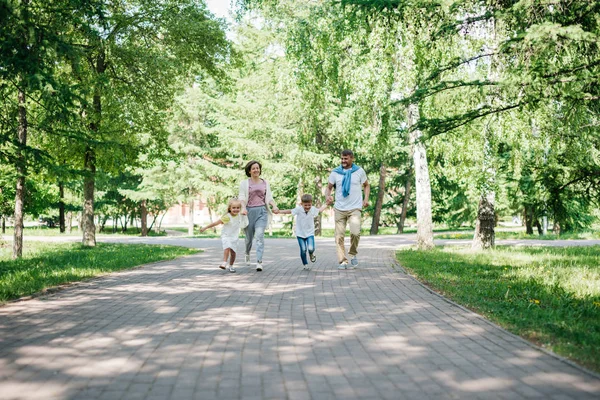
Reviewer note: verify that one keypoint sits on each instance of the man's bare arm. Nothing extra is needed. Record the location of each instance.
(328, 196)
(367, 189)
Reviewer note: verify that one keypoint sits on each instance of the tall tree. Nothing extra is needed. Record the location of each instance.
(32, 44)
(136, 55)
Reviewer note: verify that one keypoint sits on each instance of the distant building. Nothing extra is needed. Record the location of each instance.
(178, 214)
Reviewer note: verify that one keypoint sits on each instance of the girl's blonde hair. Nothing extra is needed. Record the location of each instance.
(231, 202)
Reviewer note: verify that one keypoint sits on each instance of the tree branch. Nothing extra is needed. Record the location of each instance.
(448, 124)
(437, 73)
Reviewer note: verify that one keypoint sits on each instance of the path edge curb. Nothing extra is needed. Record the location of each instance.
(398, 268)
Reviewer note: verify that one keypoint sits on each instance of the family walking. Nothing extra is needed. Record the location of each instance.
(254, 206)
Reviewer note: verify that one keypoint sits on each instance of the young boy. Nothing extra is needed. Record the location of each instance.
(305, 227)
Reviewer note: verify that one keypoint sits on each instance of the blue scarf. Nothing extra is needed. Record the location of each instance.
(347, 177)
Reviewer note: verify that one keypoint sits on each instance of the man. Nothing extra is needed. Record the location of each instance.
(349, 181)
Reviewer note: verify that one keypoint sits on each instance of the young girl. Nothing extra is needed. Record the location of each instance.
(230, 233)
(305, 227)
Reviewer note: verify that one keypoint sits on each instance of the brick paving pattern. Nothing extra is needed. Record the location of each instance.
(185, 329)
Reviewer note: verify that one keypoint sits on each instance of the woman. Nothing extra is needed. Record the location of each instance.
(255, 195)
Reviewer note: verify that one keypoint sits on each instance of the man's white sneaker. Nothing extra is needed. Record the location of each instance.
(223, 265)
(259, 266)
(231, 269)
(247, 259)
(354, 261)
(306, 267)
(343, 266)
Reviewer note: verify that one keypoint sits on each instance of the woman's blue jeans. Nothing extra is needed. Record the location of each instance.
(257, 223)
(306, 244)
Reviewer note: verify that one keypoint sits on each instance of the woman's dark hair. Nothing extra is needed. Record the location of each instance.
(249, 166)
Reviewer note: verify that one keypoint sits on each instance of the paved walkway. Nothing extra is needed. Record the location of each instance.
(184, 329)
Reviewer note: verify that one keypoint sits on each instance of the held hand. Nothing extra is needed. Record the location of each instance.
(201, 229)
(365, 202)
(330, 200)
(244, 212)
(275, 210)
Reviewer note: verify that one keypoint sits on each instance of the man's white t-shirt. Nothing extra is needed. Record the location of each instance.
(355, 198)
(305, 221)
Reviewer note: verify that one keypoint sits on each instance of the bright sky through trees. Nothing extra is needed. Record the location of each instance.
(219, 7)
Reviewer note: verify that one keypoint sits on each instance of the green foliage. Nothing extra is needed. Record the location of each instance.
(100, 79)
(548, 295)
(216, 129)
(507, 93)
(45, 265)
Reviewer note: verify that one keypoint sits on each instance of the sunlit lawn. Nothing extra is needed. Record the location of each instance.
(522, 235)
(45, 231)
(550, 296)
(44, 265)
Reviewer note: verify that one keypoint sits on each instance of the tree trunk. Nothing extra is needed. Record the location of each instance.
(191, 218)
(3, 224)
(407, 189)
(154, 219)
(21, 166)
(103, 222)
(319, 218)
(69, 221)
(89, 182)
(157, 230)
(89, 228)
(484, 237)
(61, 207)
(539, 227)
(124, 223)
(422, 183)
(320, 190)
(144, 218)
(379, 202)
(529, 220)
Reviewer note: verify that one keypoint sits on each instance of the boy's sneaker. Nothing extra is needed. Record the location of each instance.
(231, 269)
(259, 266)
(354, 261)
(343, 266)
(247, 259)
(222, 266)
(313, 257)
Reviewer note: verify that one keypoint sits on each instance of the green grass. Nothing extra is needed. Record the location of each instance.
(45, 231)
(550, 296)
(523, 235)
(180, 228)
(45, 265)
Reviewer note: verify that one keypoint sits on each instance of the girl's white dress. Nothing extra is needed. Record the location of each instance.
(231, 231)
